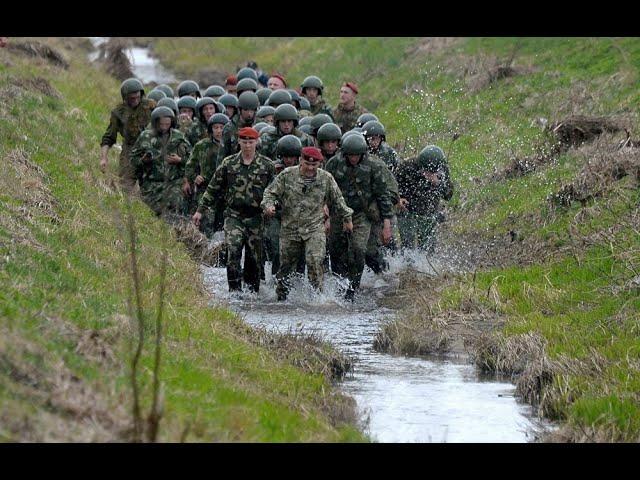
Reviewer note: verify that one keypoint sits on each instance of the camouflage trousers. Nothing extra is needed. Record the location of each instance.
(126, 172)
(243, 234)
(164, 197)
(347, 250)
(374, 256)
(417, 231)
(271, 244)
(291, 250)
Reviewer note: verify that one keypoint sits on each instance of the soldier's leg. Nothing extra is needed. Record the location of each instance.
(126, 172)
(426, 229)
(359, 238)
(374, 256)
(234, 242)
(338, 249)
(290, 252)
(314, 250)
(253, 253)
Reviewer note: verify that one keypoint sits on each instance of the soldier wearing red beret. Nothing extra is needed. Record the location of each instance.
(348, 110)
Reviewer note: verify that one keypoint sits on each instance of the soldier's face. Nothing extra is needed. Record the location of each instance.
(274, 83)
(286, 126)
(312, 94)
(231, 111)
(268, 119)
(232, 89)
(208, 110)
(248, 145)
(133, 99)
(247, 114)
(353, 159)
(217, 131)
(186, 111)
(329, 146)
(347, 96)
(290, 161)
(308, 168)
(164, 124)
(374, 141)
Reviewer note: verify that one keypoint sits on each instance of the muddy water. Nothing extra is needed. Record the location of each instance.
(399, 399)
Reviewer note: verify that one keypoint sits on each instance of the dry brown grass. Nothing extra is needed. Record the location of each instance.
(113, 58)
(33, 48)
(197, 243)
(37, 84)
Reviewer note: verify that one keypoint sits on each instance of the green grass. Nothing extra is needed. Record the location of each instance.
(75, 270)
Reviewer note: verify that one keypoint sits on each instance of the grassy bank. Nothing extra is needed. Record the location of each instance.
(553, 251)
(67, 329)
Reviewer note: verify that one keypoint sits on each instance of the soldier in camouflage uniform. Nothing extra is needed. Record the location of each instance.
(187, 116)
(189, 87)
(328, 139)
(346, 114)
(128, 119)
(230, 103)
(302, 191)
(285, 120)
(156, 95)
(248, 105)
(312, 88)
(422, 182)
(171, 103)
(240, 181)
(376, 136)
(159, 157)
(206, 107)
(199, 170)
(361, 182)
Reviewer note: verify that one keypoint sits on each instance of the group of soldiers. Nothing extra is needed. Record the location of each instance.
(288, 178)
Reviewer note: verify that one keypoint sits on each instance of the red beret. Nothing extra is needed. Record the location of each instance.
(352, 86)
(231, 80)
(313, 153)
(248, 132)
(277, 75)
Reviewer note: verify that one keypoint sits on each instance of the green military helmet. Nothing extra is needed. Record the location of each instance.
(294, 97)
(269, 130)
(214, 91)
(354, 144)
(229, 100)
(312, 81)
(246, 85)
(248, 101)
(160, 112)
(279, 97)
(364, 118)
(305, 128)
(171, 103)
(247, 72)
(356, 129)
(347, 134)
(304, 104)
(220, 118)
(263, 95)
(187, 102)
(265, 111)
(260, 125)
(156, 95)
(373, 127)
(220, 108)
(188, 87)
(431, 157)
(131, 85)
(328, 132)
(305, 121)
(318, 120)
(168, 91)
(289, 146)
(200, 105)
(286, 112)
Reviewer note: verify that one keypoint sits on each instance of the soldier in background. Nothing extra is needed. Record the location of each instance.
(248, 105)
(312, 88)
(348, 110)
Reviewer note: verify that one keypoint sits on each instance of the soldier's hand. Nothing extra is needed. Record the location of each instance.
(387, 235)
(270, 211)
(173, 159)
(199, 180)
(403, 204)
(327, 226)
(186, 188)
(146, 158)
(103, 164)
(347, 226)
(196, 218)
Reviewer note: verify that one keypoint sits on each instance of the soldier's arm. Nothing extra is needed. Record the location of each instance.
(213, 195)
(191, 169)
(111, 134)
(273, 193)
(139, 153)
(337, 202)
(381, 192)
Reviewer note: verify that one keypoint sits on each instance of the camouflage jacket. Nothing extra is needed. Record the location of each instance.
(302, 205)
(128, 122)
(322, 107)
(346, 119)
(203, 160)
(239, 186)
(197, 131)
(158, 170)
(388, 155)
(230, 145)
(269, 142)
(361, 184)
(423, 197)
